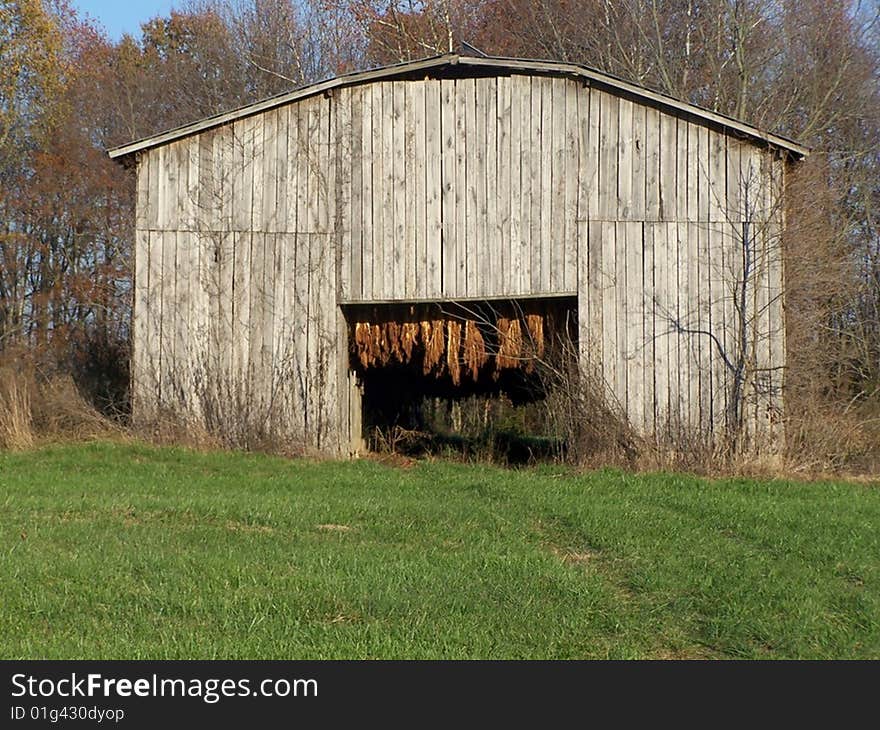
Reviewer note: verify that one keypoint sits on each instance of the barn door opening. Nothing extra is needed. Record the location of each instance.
(467, 378)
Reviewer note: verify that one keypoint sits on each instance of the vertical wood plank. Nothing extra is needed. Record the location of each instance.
(202, 323)
(704, 192)
(224, 172)
(735, 181)
(296, 303)
(207, 213)
(490, 188)
(267, 217)
(191, 204)
(591, 172)
(224, 298)
(329, 338)
(435, 185)
(479, 251)
(154, 159)
(396, 236)
(268, 325)
(520, 201)
(348, 444)
(314, 372)
(291, 191)
(170, 313)
(180, 161)
(463, 90)
(241, 325)
(243, 174)
(691, 295)
(257, 308)
(652, 164)
(304, 219)
(572, 169)
(282, 168)
(340, 145)
(621, 303)
(582, 215)
(325, 171)
(597, 284)
(647, 333)
(282, 331)
(608, 156)
(608, 274)
(681, 365)
(502, 193)
(368, 162)
(155, 276)
(349, 130)
(693, 172)
(410, 168)
(534, 185)
(173, 186)
(624, 160)
(584, 301)
(668, 166)
(663, 329)
(420, 195)
(380, 206)
(450, 192)
(639, 173)
(635, 316)
(257, 125)
(718, 295)
(682, 161)
(707, 347)
(164, 179)
(545, 241)
(143, 367)
(142, 195)
(555, 281)
(717, 176)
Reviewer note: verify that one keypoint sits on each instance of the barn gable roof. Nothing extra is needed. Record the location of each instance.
(465, 65)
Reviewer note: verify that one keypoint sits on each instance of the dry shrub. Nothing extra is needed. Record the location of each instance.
(204, 410)
(60, 411)
(36, 408)
(175, 428)
(595, 429)
(397, 440)
(825, 438)
(16, 424)
(678, 447)
(167, 428)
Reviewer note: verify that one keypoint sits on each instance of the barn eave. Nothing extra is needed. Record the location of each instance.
(454, 63)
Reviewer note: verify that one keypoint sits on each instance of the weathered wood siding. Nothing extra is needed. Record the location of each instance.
(250, 235)
(236, 319)
(460, 188)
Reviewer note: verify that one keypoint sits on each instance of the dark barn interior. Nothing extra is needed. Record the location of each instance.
(466, 377)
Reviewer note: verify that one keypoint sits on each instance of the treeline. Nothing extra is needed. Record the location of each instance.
(803, 68)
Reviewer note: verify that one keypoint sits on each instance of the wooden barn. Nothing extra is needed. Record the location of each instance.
(286, 248)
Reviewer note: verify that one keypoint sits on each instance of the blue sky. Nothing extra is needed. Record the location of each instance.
(123, 16)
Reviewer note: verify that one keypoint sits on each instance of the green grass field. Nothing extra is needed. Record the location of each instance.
(129, 551)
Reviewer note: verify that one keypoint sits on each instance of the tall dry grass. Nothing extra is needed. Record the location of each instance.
(36, 409)
(16, 419)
